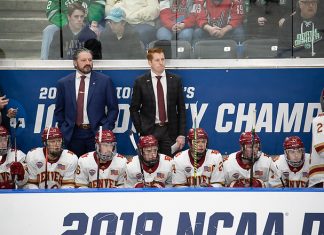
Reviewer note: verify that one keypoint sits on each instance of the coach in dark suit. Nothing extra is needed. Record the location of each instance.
(83, 99)
(159, 111)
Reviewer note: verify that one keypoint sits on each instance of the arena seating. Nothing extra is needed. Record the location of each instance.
(215, 49)
(173, 49)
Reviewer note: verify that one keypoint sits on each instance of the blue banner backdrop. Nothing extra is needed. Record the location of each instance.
(220, 100)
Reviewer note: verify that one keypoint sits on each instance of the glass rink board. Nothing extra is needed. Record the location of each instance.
(162, 211)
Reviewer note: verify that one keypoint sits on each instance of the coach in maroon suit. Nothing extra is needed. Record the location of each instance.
(157, 105)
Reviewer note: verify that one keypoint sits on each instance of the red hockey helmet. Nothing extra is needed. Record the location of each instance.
(107, 136)
(200, 133)
(147, 141)
(293, 142)
(294, 151)
(152, 157)
(246, 138)
(51, 133)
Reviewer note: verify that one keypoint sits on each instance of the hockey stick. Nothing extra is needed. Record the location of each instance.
(253, 142)
(135, 146)
(46, 157)
(100, 138)
(15, 146)
(195, 154)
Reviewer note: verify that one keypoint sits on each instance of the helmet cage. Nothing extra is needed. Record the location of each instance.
(109, 156)
(294, 143)
(292, 163)
(145, 142)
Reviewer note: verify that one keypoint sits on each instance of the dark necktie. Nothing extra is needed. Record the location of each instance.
(80, 101)
(160, 95)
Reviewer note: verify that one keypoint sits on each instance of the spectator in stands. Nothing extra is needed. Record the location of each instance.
(2, 54)
(265, 17)
(141, 14)
(120, 40)
(222, 19)
(178, 19)
(302, 34)
(74, 34)
(57, 15)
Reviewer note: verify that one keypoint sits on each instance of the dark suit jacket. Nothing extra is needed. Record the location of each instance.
(143, 104)
(102, 94)
(5, 121)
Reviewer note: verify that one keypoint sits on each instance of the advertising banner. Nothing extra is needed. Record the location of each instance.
(220, 100)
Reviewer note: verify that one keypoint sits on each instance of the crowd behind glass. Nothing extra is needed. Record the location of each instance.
(125, 29)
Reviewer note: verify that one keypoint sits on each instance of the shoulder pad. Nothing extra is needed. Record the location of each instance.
(84, 155)
(70, 152)
(167, 158)
(177, 154)
(215, 152)
(275, 158)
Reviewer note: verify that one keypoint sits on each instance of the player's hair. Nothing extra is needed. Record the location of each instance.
(151, 51)
(75, 6)
(78, 51)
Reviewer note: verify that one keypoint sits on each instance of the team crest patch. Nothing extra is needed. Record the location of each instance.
(160, 175)
(286, 174)
(207, 168)
(114, 172)
(188, 169)
(139, 176)
(61, 167)
(39, 165)
(92, 172)
(236, 175)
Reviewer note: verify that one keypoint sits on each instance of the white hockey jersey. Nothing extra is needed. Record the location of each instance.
(6, 181)
(60, 174)
(235, 169)
(160, 173)
(209, 169)
(290, 177)
(111, 173)
(316, 167)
